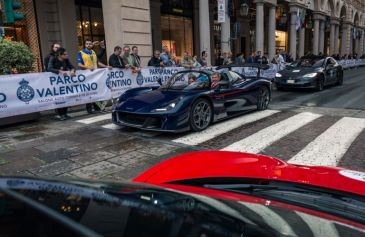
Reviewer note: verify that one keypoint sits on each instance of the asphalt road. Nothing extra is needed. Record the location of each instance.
(300, 126)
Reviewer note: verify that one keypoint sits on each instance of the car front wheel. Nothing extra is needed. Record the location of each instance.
(339, 78)
(263, 99)
(200, 115)
(320, 84)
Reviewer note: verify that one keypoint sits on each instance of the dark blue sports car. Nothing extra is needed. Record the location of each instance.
(193, 99)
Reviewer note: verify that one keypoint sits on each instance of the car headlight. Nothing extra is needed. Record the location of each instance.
(310, 75)
(167, 108)
(278, 75)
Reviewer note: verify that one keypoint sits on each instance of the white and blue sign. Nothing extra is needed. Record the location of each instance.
(34, 92)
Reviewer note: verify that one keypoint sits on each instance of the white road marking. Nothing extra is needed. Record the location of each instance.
(111, 126)
(223, 127)
(267, 136)
(328, 148)
(95, 119)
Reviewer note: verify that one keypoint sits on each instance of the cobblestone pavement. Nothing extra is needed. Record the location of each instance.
(296, 130)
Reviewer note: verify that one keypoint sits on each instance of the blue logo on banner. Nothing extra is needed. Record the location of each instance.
(108, 83)
(139, 79)
(2, 97)
(25, 92)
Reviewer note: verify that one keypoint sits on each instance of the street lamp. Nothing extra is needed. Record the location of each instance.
(244, 8)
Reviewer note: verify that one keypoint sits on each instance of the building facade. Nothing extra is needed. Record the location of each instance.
(295, 26)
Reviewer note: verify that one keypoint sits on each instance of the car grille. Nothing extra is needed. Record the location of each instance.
(139, 120)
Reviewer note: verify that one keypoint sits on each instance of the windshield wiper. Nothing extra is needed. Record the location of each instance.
(242, 187)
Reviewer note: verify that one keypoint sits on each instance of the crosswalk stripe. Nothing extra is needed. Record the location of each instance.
(223, 127)
(265, 137)
(95, 119)
(328, 148)
(111, 126)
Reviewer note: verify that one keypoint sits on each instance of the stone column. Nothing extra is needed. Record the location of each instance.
(332, 38)
(226, 32)
(315, 36)
(67, 19)
(356, 46)
(272, 27)
(337, 36)
(204, 28)
(260, 27)
(318, 35)
(345, 38)
(128, 23)
(293, 32)
(321, 37)
(361, 44)
(301, 42)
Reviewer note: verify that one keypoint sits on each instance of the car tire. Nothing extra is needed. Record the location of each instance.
(320, 84)
(263, 98)
(340, 79)
(201, 113)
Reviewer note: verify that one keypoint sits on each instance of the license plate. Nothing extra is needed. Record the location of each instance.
(290, 81)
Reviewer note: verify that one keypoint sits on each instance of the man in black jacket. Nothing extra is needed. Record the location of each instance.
(115, 60)
(156, 61)
(51, 54)
(136, 57)
(60, 64)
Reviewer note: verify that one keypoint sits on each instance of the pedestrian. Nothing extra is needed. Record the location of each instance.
(115, 60)
(280, 62)
(136, 57)
(60, 64)
(227, 58)
(203, 60)
(258, 57)
(54, 48)
(219, 60)
(187, 62)
(127, 58)
(175, 62)
(251, 58)
(100, 54)
(155, 60)
(196, 64)
(87, 59)
(240, 59)
(165, 56)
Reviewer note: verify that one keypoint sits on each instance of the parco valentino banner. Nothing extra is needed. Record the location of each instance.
(35, 92)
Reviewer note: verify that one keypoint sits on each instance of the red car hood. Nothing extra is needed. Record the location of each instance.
(214, 164)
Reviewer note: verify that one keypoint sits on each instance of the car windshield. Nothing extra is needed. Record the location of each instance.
(308, 62)
(187, 80)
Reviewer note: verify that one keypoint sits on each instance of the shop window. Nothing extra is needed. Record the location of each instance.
(281, 40)
(89, 21)
(177, 34)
